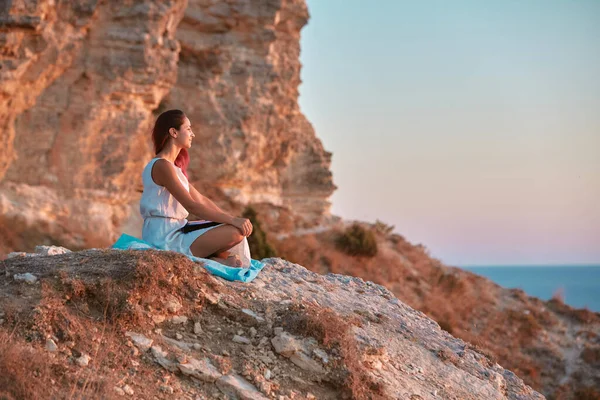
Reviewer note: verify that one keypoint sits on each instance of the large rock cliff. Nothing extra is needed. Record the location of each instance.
(238, 80)
(82, 82)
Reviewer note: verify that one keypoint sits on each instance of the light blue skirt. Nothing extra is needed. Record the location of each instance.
(165, 234)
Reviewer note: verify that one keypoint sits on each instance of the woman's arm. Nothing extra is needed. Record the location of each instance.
(203, 199)
(164, 174)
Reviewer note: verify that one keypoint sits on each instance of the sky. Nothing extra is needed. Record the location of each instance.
(473, 126)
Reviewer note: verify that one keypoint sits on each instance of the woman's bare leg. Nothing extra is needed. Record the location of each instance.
(216, 242)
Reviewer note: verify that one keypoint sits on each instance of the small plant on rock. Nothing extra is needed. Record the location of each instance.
(259, 246)
(357, 241)
(383, 228)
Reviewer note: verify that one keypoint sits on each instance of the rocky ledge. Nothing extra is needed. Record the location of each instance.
(153, 324)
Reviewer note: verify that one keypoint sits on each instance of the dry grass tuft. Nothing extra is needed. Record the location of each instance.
(526, 325)
(591, 355)
(567, 392)
(582, 315)
(336, 333)
(588, 393)
(25, 371)
(29, 372)
(84, 302)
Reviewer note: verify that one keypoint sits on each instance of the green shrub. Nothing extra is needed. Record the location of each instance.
(357, 241)
(383, 228)
(259, 246)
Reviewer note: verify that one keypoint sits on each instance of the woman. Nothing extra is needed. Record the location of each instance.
(169, 198)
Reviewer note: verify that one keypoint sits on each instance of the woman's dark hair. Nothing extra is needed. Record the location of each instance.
(160, 135)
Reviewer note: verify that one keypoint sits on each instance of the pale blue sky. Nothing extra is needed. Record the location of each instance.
(472, 126)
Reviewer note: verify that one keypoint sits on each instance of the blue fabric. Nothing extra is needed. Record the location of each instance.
(127, 242)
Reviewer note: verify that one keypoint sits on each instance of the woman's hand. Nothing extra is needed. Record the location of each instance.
(244, 225)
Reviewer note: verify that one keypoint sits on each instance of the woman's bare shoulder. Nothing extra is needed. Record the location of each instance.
(162, 171)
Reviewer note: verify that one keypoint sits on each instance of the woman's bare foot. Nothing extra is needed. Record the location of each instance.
(234, 261)
(230, 261)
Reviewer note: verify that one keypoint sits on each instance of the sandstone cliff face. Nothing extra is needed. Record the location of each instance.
(238, 80)
(79, 84)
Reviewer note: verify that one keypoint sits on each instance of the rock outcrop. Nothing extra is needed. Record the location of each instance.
(82, 82)
(554, 348)
(109, 317)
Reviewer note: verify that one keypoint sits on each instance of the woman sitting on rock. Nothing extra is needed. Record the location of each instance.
(169, 198)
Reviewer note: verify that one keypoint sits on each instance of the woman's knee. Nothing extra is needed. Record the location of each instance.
(219, 239)
(236, 236)
(228, 236)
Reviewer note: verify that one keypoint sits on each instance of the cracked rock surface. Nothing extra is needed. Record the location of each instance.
(318, 336)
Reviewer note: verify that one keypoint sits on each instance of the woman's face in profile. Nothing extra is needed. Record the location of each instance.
(185, 134)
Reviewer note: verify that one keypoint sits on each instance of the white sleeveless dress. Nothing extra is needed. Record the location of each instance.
(164, 216)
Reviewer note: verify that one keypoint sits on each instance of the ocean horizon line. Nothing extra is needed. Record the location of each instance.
(587, 265)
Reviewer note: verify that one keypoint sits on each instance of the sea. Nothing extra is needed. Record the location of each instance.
(579, 285)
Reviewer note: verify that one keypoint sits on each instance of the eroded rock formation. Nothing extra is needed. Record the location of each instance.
(238, 80)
